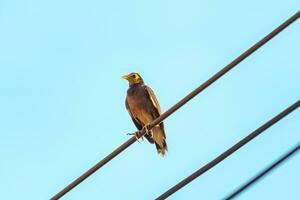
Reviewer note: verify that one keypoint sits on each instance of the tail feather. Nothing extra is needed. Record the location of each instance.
(159, 138)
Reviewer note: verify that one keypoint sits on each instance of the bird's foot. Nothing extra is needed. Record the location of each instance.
(137, 135)
(147, 130)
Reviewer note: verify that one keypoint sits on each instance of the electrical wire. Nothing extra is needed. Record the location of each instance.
(228, 152)
(263, 173)
(177, 105)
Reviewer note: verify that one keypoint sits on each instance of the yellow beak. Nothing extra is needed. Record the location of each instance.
(125, 77)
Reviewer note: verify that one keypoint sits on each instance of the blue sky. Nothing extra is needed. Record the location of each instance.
(62, 98)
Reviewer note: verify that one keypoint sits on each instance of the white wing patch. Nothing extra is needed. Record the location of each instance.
(153, 99)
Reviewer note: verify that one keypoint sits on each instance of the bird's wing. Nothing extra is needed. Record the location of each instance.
(153, 99)
(159, 135)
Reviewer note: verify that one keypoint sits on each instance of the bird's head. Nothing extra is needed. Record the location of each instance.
(133, 78)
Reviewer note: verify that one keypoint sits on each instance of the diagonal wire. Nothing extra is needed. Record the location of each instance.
(178, 105)
(263, 173)
(228, 152)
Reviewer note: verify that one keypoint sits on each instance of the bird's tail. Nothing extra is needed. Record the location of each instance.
(159, 138)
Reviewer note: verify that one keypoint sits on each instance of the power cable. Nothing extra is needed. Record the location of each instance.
(177, 105)
(228, 152)
(263, 173)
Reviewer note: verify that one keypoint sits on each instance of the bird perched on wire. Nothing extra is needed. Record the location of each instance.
(143, 107)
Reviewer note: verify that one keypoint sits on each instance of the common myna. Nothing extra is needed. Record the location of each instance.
(143, 108)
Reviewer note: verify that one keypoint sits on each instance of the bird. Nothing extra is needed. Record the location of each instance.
(143, 107)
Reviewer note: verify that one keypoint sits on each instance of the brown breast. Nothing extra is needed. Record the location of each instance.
(138, 110)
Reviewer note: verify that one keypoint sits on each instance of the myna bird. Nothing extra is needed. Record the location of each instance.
(143, 108)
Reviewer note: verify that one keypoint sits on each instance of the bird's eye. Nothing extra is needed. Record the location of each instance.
(134, 76)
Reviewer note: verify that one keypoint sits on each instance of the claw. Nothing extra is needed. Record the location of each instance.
(147, 131)
(137, 136)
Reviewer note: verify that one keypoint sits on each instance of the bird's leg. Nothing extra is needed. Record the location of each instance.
(147, 131)
(137, 135)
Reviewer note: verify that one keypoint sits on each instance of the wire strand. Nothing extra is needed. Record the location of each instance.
(263, 173)
(229, 151)
(178, 105)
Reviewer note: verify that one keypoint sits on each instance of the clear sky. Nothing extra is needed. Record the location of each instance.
(62, 99)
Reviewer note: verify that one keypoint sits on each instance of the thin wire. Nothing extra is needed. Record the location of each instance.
(178, 105)
(229, 151)
(264, 172)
